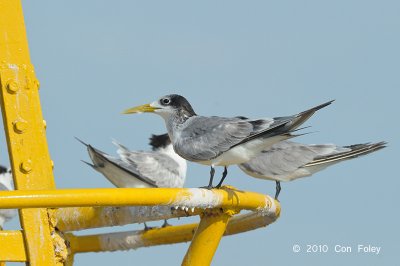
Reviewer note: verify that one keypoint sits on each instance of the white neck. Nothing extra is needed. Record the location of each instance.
(169, 150)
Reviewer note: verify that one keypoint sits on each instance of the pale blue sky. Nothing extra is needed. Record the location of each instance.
(253, 58)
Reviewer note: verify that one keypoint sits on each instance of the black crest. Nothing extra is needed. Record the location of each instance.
(3, 169)
(159, 141)
(179, 102)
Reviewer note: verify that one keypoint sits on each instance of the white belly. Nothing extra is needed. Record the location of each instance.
(243, 153)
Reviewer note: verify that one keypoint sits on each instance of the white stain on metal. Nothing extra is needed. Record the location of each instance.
(121, 241)
(197, 198)
(269, 208)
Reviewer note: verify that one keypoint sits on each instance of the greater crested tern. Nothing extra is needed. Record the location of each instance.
(6, 184)
(287, 161)
(220, 141)
(161, 167)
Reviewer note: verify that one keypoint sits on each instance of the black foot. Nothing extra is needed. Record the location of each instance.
(147, 228)
(165, 224)
(207, 187)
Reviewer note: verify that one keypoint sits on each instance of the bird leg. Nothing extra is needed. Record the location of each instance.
(212, 172)
(146, 228)
(224, 174)
(278, 189)
(165, 224)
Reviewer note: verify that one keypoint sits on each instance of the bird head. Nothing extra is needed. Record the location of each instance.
(166, 106)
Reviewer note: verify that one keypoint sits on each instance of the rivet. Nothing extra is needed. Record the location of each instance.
(52, 164)
(26, 166)
(20, 126)
(12, 86)
(37, 83)
(44, 124)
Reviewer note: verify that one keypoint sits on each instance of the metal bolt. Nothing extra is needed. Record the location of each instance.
(12, 86)
(44, 124)
(37, 83)
(20, 126)
(26, 166)
(52, 164)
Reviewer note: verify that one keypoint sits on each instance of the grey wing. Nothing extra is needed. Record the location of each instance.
(158, 167)
(204, 138)
(117, 171)
(285, 157)
(3, 187)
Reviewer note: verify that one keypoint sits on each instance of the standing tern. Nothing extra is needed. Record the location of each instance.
(220, 141)
(287, 161)
(161, 167)
(5, 185)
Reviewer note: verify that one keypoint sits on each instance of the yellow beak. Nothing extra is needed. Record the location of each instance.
(145, 108)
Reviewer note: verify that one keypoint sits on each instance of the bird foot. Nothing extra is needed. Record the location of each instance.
(207, 187)
(165, 224)
(147, 228)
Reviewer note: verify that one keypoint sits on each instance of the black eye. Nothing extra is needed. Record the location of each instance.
(165, 101)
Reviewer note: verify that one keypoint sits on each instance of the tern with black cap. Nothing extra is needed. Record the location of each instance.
(220, 141)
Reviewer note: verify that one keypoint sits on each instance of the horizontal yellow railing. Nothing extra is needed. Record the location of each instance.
(150, 204)
(188, 198)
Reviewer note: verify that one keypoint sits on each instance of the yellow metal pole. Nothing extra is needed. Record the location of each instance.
(80, 218)
(12, 246)
(206, 238)
(187, 198)
(163, 236)
(25, 129)
(15, 250)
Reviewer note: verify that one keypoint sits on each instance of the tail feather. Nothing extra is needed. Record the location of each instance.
(355, 151)
(81, 141)
(305, 115)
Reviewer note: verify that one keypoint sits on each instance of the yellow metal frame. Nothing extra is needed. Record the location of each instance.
(48, 215)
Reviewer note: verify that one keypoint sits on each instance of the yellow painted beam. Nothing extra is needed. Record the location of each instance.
(25, 129)
(187, 197)
(12, 247)
(163, 236)
(207, 237)
(80, 218)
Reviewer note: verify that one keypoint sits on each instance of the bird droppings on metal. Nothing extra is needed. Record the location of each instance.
(121, 241)
(197, 198)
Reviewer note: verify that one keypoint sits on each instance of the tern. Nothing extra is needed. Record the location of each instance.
(220, 141)
(161, 167)
(6, 184)
(287, 161)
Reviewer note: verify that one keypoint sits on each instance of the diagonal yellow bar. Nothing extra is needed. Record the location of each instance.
(25, 129)
(206, 238)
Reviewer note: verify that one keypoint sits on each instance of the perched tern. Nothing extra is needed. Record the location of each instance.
(161, 167)
(6, 184)
(287, 161)
(220, 141)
